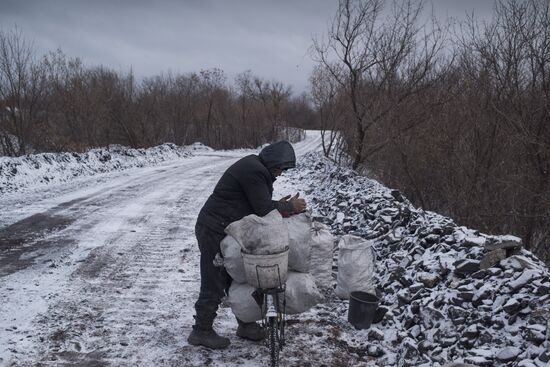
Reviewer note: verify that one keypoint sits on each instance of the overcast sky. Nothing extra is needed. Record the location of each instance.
(271, 38)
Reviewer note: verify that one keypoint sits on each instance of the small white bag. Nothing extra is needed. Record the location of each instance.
(356, 265)
(260, 235)
(242, 303)
(299, 240)
(301, 293)
(322, 247)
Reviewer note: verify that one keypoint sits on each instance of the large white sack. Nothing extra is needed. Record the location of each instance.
(299, 241)
(242, 303)
(356, 262)
(301, 293)
(322, 247)
(232, 259)
(260, 235)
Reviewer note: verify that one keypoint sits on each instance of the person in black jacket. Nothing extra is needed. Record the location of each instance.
(245, 188)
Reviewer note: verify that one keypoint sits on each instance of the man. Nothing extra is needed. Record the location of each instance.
(245, 188)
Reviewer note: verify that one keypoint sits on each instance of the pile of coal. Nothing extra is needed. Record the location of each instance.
(451, 293)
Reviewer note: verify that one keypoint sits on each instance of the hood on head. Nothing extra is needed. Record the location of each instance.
(278, 155)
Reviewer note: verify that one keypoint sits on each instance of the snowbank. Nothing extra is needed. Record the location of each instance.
(35, 170)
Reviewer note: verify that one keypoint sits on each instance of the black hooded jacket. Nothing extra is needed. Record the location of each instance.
(247, 187)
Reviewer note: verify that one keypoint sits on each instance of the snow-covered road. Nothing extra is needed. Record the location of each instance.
(104, 270)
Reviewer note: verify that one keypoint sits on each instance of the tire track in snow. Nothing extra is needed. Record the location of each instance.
(142, 247)
(39, 231)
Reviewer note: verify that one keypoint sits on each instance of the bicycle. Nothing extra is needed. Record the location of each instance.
(268, 274)
(273, 305)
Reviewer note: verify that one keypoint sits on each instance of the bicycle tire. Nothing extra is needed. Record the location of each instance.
(273, 341)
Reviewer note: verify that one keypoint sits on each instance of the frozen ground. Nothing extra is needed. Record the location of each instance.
(103, 271)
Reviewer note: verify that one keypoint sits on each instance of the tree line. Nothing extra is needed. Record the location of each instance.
(55, 103)
(456, 116)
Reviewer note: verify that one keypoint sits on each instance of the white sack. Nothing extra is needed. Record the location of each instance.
(260, 235)
(242, 303)
(299, 241)
(322, 247)
(356, 261)
(232, 259)
(301, 293)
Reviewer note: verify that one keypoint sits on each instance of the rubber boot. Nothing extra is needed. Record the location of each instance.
(207, 338)
(250, 330)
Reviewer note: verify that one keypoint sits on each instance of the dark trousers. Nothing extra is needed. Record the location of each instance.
(215, 281)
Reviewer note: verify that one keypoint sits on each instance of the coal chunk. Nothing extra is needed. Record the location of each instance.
(429, 280)
(456, 313)
(466, 267)
(376, 334)
(512, 306)
(492, 258)
(479, 361)
(379, 314)
(508, 354)
(375, 351)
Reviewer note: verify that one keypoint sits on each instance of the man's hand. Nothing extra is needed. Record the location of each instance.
(298, 204)
(285, 199)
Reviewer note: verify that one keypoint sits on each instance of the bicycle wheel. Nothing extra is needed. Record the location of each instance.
(273, 341)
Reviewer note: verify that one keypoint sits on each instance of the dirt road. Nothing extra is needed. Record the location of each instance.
(105, 271)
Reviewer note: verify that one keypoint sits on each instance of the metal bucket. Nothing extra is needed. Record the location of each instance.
(266, 271)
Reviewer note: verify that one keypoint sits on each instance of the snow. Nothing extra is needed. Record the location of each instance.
(525, 277)
(478, 360)
(508, 353)
(520, 262)
(510, 238)
(114, 281)
(39, 170)
(480, 241)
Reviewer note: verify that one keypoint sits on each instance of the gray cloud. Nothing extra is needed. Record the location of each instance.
(271, 38)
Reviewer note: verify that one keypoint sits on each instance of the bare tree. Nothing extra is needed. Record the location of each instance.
(327, 99)
(183, 107)
(244, 85)
(211, 82)
(278, 96)
(514, 48)
(379, 63)
(21, 91)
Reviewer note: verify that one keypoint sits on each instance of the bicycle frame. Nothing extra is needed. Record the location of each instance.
(273, 307)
